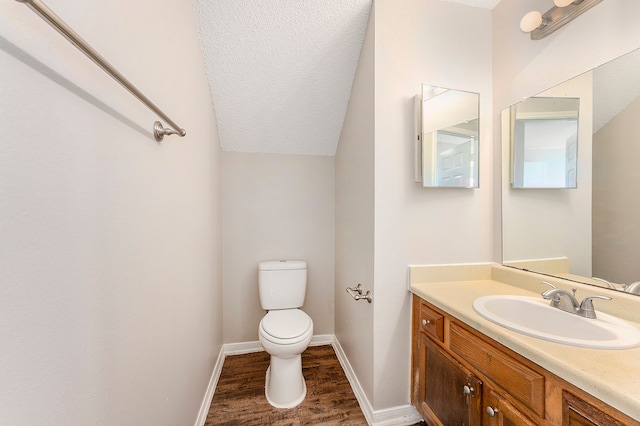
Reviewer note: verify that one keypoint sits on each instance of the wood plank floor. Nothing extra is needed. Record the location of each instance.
(239, 397)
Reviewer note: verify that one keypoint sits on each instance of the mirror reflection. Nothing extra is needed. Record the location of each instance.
(544, 142)
(449, 137)
(589, 234)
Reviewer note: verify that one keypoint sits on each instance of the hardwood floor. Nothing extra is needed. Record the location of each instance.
(239, 397)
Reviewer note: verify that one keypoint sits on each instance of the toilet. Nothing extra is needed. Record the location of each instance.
(285, 331)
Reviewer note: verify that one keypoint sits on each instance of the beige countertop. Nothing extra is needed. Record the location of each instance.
(610, 375)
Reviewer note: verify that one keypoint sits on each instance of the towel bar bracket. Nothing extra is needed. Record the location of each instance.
(356, 293)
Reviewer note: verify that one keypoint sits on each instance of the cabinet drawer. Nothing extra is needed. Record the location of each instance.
(431, 322)
(518, 380)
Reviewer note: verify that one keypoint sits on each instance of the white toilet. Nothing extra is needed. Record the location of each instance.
(285, 331)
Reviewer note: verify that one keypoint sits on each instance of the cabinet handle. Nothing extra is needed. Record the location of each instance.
(492, 411)
(467, 390)
(426, 322)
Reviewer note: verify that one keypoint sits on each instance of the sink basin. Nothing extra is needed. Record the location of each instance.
(534, 317)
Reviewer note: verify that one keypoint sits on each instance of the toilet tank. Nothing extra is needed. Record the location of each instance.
(282, 284)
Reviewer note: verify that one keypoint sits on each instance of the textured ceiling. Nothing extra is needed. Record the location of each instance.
(615, 86)
(485, 4)
(280, 71)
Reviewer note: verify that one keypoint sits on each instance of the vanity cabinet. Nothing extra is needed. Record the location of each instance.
(462, 377)
(449, 394)
(578, 412)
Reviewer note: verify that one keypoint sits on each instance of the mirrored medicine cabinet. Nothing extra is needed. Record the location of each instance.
(590, 233)
(544, 142)
(447, 143)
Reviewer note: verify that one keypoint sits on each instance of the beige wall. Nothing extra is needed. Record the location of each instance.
(616, 229)
(110, 294)
(354, 219)
(276, 207)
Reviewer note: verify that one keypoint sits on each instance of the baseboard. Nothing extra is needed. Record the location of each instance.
(241, 348)
(255, 346)
(395, 416)
(365, 405)
(213, 382)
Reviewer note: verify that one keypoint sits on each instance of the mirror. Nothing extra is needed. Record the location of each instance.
(544, 142)
(590, 234)
(449, 135)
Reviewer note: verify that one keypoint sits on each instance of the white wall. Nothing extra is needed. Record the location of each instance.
(523, 67)
(276, 206)
(616, 230)
(414, 42)
(110, 294)
(553, 223)
(447, 45)
(355, 219)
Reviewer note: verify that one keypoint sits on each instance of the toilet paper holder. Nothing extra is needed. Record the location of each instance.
(356, 293)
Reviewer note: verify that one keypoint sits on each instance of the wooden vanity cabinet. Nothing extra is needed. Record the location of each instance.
(578, 412)
(449, 394)
(461, 377)
(500, 412)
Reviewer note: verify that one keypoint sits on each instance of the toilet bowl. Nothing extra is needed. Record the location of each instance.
(285, 334)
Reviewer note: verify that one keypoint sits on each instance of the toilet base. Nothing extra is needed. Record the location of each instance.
(285, 386)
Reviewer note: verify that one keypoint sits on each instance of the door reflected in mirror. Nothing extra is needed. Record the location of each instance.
(544, 142)
(449, 123)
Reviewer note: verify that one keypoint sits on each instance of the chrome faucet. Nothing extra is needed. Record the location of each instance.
(608, 283)
(633, 288)
(565, 301)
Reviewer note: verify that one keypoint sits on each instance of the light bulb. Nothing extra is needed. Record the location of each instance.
(562, 3)
(531, 21)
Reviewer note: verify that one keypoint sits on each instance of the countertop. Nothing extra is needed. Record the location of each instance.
(610, 375)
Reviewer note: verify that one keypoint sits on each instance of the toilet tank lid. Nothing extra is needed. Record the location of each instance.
(277, 265)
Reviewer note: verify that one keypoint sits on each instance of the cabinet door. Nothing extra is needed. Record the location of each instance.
(577, 412)
(500, 413)
(449, 393)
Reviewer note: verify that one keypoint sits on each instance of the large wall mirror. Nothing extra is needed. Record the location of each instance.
(590, 233)
(449, 135)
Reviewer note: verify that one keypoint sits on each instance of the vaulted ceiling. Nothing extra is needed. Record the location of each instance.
(280, 71)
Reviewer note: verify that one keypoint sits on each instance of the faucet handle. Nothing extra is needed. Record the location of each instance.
(586, 307)
(546, 292)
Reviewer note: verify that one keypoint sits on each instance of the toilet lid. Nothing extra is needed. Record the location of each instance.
(286, 324)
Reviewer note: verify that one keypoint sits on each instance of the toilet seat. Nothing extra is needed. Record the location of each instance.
(286, 326)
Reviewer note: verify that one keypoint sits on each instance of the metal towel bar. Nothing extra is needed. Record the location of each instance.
(159, 132)
(356, 293)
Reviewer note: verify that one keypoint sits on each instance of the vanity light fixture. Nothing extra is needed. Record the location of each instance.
(541, 25)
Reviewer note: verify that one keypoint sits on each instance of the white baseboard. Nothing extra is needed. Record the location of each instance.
(395, 416)
(365, 405)
(255, 346)
(213, 382)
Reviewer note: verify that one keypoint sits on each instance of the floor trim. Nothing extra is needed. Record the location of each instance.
(395, 416)
(213, 382)
(365, 405)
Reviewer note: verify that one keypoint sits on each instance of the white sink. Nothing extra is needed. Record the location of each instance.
(534, 317)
